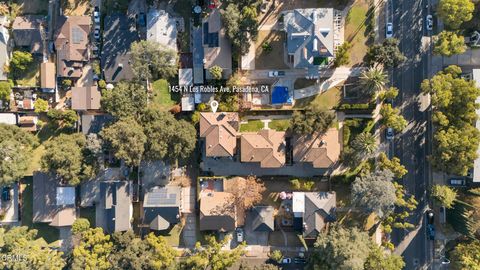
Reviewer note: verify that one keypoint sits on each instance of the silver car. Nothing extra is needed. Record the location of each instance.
(429, 22)
(389, 30)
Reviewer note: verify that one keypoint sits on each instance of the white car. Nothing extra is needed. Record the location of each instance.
(239, 234)
(276, 73)
(389, 133)
(429, 22)
(96, 15)
(389, 30)
(96, 34)
(287, 260)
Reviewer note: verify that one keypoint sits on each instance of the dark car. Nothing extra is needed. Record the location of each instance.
(431, 231)
(142, 21)
(430, 216)
(299, 260)
(6, 194)
(457, 182)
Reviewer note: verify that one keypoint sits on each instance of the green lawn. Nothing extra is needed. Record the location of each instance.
(88, 213)
(327, 100)
(47, 232)
(279, 124)
(31, 76)
(355, 31)
(252, 126)
(173, 237)
(162, 97)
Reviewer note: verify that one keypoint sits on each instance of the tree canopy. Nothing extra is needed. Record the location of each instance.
(16, 147)
(152, 60)
(364, 145)
(127, 140)
(387, 54)
(41, 105)
(20, 62)
(444, 195)
(216, 72)
(393, 165)
(34, 252)
(379, 260)
(167, 137)
(340, 248)
(391, 117)
(80, 225)
(456, 139)
(241, 25)
(5, 91)
(65, 156)
(126, 99)
(342, 57)
(455, 12)
(63, 118)
(448, 43)
(212, 255)
(373, 80)
(466, 256)
(375, 192)
(312, 120)
(93, 251)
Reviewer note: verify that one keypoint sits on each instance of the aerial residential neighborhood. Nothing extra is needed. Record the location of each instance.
(248, 134)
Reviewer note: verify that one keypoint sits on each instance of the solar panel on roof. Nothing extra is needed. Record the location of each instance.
(160, 197)
(77, 35)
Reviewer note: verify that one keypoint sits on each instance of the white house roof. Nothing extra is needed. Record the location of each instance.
(185, 76)
(8, 118)
(188, 103)
(162, 28)
(298, 203)
(476, 163)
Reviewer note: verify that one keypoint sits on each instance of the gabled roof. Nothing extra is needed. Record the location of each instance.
(310, 33)
(161, 206)
(119, 34)
(217, 47)
(319, 208)
(115, 200)
(47, 75)
(86, 98)
(262, 219)
(27, 32)
(93, 123)
(266, 147)
(219, 131)
(217, 212)
(321, 150)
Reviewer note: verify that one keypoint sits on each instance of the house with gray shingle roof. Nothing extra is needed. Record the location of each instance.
(161, 207)
(309, 36)
(114, 211)
(262, 218)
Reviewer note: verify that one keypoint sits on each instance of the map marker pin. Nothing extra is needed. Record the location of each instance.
(214, 105)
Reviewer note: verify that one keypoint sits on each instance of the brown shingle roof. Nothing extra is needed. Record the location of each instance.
(320, 150)
(28, 123)
(217, 212)
(219, 131)
(85, 98)
(47, 72)
(72, 44)
(26, 32)
(267, 147)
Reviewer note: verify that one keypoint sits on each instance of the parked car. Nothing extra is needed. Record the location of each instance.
(430, 216)
(286, 260)
(6, 196)
(96, 15)
(429, 22)
(96, 34)
(457, 182)
(389, 133)
(142, 20)
(276, 73)
(389, 32)
(239, 234)
(299, 260)
(431, 231)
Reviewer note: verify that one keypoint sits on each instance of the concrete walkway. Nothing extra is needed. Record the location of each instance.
(189, 230)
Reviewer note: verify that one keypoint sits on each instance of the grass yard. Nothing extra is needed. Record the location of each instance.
(88, 213)
(355, 31)
(47, 232)
(174, 237)
(161, 97)
(31, 77)
(327, 100)
(279, 124)
(272, 59)
(252, 126)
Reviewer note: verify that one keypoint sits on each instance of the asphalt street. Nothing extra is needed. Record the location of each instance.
(408, 17)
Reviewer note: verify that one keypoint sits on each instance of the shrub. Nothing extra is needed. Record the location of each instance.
(102, 84)
(80, 225)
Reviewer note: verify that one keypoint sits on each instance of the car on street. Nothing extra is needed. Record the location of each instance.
(299, 260)
(96, 34)
(389, 30)
(96, 15)
(239, 235)
(430, 216)
(429, 22)
(142, 19)
(286, 260)
(276, 73)
(389, 133)
(6, 196)
(457, 182)
(431, 231)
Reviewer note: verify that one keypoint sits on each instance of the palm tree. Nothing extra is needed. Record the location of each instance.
(373, 80)
(364, 145)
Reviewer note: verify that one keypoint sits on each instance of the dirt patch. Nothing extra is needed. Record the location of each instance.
(356, 31)
(76, 8)
(269, 50)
